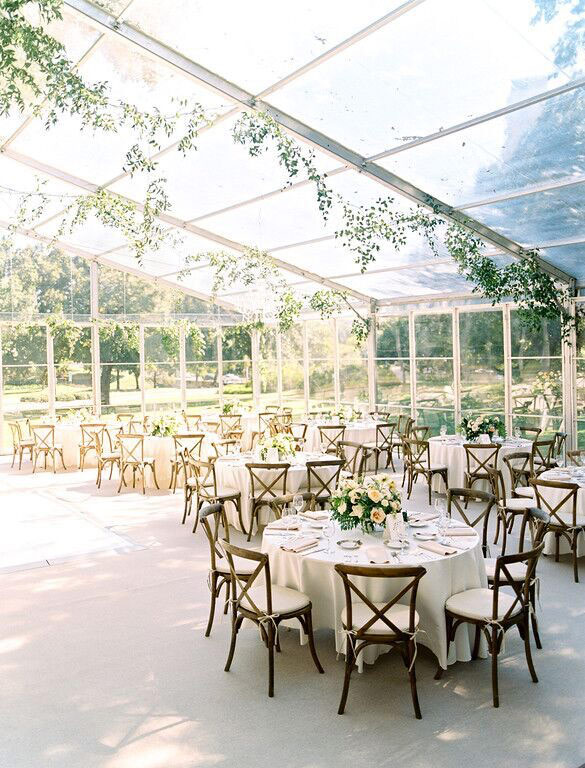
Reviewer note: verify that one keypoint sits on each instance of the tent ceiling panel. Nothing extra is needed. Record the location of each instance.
(571, 257)
(539, 218)
(279, 38)
(537, 145)
(423, 72)
(438, 279)
(92, 236)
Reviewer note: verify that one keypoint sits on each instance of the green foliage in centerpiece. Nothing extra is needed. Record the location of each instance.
(283, 443)
(367, 503)
(165, 425)
(472, 428)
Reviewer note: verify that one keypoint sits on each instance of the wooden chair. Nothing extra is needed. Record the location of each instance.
(576, 458)
(225, 447)
(286, 501)
(354, 457)
(299, 433)
(264, 420)
(89, 433)
(518, 466)
(420, 432)
(230, 426)
(271, 408)
(508, 508)
(132, 457)
(20, 443)
(105, 458)
(488, 500)
(192, 422)
(383, 444)
(330, 435)
(403, 427)
(323, 479)
(190, 442)
(565, 520)
(559, 448)
(265, 605)
(541, 456)
(530, 433)
(202, 481)
(480, 459)
(213, 519)
(418, 462)
(392, 623)
(537, 523)
(45, 445)
(267, 482)
(495, 612)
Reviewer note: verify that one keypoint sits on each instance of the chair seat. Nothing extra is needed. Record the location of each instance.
(567, 519)
(243, 567)
(110, 456)
(376, 447)
(145, 460)
(438, 468)
(517, 570)
(284, 599)
(26, 442)
(398, 614)
(525, 491)
(478, 604)
(518, 505)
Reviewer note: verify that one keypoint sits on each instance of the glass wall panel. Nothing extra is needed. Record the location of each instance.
(481, 340)
(393, 364)
(267, 366)
(162, 381)
(353, 366)
(580, 393)
(120, 368)
(202, 375)
(73, 377)
(237, 364)
(293, 377)
(434, 371)
(321, 363)
(537, 386)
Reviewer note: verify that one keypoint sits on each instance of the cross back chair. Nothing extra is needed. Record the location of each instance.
(299, 433)
(403, 427)
(419, 432)
(230, 425)
(105, 458)
(383, 444)
(20, 444)
(267, 483)
(45, 445)
(201, 481)
(272, 408)
(192, 422)
(495, 612)
(537, 522)
(560, 445)
(354, 456)
(418, 463)
(330, 435)
(264, 421)
(458, 499)
(530, 433)
(282, 422)
(518, 466)
(560, 501)
(190, 444)
(323, 479)
(286, 501)
(266, 605)
(225, 447)
(132, 457)
(541, 456)
(89, 433)
(391, 623)
(213, 521)
(508, 508)
(576, 458)
(480, 459)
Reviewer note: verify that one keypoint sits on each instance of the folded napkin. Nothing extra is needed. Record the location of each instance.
(422, 517)
(377, 555)
(300, 545)
(460, 532)
(315, 515)
(438, 549)
(281, 525)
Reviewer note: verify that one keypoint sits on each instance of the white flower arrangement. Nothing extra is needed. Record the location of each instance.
(165, 425)
(283, 443)
(483, 425)
(368, 502)
(229, 407)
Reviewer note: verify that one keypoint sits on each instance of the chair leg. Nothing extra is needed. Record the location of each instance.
(494, 650)
(528, 652)
(235, 627)
(575, 560)
(238, 505)
(173, 480)
(429, 483)
(14, 458)
(152, 466)
(412, 677)
(533, 619)
(557, 546)
(186, 505)
(270, 644)
(212, 606)
(475, 652)
(35, 462)
(349, 662)
(311, 637)
(19, 459)
(252, 517)
(122, 470)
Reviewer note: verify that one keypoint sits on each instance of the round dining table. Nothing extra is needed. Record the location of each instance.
(554, 496)
(448, 451)
(313, 573)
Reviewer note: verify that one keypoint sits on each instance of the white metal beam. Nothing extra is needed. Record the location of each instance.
(302, 131)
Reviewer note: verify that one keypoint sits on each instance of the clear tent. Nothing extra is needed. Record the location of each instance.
(479, 105)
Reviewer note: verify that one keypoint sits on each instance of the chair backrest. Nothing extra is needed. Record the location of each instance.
(43, 435)
(213, 518)
(537, 521)
(541, 456)
(408, 426)
(418, 458)
(530, 433)
(323, 476)
(412, 575)
(577, 458)
(481, 457)
(230, 423)
(264, 420)
(287, 409)
(401, 423)
(124, 416)
(190, 442)
(385, 435)
(330, 435)
(15, 433)
(24, 426)
(419, 431)
(522, 589)
(560, 442)
(240, 589)
(298, 431)
(267, 480)
(286, 501)
(558, 499)
(496, 480)
(458, 498)
(192, 421)
(271, 408)
(205, 478)
(89, 432)
(518, 464)
(282, 422)
(131, 447)
(225, 447)
(354, 457)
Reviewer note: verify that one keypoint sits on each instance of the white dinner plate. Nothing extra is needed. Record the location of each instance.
(425, 536)
(418, 523)
(349, 543)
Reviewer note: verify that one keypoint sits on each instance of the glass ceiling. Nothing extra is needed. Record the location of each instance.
(481, 105)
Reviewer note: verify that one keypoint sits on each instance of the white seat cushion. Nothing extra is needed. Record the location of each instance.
(398, 614)
(478, 604)
(284, 599)
(26, 441)
(240, 564)
(525, 491)
(517, 570)
(106, 456)
(519, 505)
(567, 518)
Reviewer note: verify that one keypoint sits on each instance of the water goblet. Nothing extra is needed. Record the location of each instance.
(298, 502)
(329, 533)
(443, 430)
(517, 433)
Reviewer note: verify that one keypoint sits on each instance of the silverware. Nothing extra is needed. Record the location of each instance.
(312, 551)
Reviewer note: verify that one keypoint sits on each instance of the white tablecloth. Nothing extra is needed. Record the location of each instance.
(554, 496)
(233, 476)
(314, 575)
(355, 432)
(249, 422)
(449, 452)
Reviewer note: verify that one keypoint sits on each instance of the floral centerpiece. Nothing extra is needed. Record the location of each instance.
(375, 500)
(282, 444)
(229, 407)
(347, 413)
(165, 425)
(483, 425)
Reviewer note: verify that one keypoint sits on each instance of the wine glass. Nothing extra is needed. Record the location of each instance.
(517, 433)
(298, 502)
(329, 533)
(287, 514)
(443, 430)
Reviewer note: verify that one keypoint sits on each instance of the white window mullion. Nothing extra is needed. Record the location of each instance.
(412, 356)
(456, 368)
(182, 369)
(279, 367)
(507, 368)
(306, 365)
(336, 368)
(219, 342)
(142, 369)
(51, 382)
